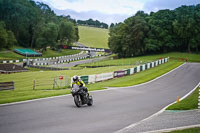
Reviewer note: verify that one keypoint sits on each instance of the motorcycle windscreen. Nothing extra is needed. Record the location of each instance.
(75, 88)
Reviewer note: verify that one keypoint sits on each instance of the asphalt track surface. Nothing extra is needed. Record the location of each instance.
(113, 109)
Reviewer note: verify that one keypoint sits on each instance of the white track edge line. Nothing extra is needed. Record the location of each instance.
(27, 101)
(173, 129)
(156, 114)
(110, 88)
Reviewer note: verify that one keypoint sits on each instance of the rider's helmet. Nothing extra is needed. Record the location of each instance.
(75, 78)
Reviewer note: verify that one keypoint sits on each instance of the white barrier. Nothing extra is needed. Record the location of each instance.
(91, 78)
(156, 63)
(143, 67)
(166, 59)
(163, 61)
(160, 62)
(138, 69)
(148, 65)
(131, 71)
(153, 64)
(104, 76)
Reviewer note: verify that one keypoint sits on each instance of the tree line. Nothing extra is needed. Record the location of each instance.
(157, 32)
(33, 24)
(91, 22)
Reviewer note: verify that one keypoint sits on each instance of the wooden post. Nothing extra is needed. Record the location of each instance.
(54, 83)
(33, 84)
(13, 85)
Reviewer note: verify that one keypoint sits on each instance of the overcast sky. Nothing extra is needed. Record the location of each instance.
(109, 11)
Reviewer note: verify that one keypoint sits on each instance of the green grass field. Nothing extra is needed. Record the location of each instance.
(10, 55)
(93, 37)
(191, 102)
(51, 53)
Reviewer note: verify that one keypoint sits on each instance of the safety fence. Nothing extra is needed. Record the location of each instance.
(88, 79)
(7, 85)
(58, 82)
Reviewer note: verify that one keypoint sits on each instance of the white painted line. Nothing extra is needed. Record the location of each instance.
(173, 129)
(7, 104)
(154, 115)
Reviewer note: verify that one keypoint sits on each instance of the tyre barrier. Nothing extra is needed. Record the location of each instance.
(42, 59)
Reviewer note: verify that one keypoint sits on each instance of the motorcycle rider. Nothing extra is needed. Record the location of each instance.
(80, 83)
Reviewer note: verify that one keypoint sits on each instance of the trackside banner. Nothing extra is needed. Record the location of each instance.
(85, 48)
(119, 73)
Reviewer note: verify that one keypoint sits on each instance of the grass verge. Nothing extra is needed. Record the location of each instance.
(189, 103)
(137, 78)
(189, 130)
(10, 55)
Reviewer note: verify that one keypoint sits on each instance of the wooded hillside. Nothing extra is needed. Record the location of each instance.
(157, 32)
(34, 25)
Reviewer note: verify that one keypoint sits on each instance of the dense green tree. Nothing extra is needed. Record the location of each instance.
(3, 35)
(32, 23)
(92, 22)
(161, 35)
(115, 38)
(184, 25)
(127, 39)
(136, 31)
(195, 41)
(7, 38)
(161, 31)
(11, 40)
(112, 25)
(48, 36)
(67, 33)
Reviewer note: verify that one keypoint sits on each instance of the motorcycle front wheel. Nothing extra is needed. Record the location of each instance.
(77, 100)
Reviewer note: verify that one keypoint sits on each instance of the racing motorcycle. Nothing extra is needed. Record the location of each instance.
(80, 96)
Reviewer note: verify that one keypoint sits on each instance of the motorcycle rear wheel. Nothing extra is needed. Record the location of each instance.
(90, 102)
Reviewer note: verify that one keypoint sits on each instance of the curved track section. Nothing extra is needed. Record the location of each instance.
(113, 109)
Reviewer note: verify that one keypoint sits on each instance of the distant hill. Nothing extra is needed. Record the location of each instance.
(93, 37)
